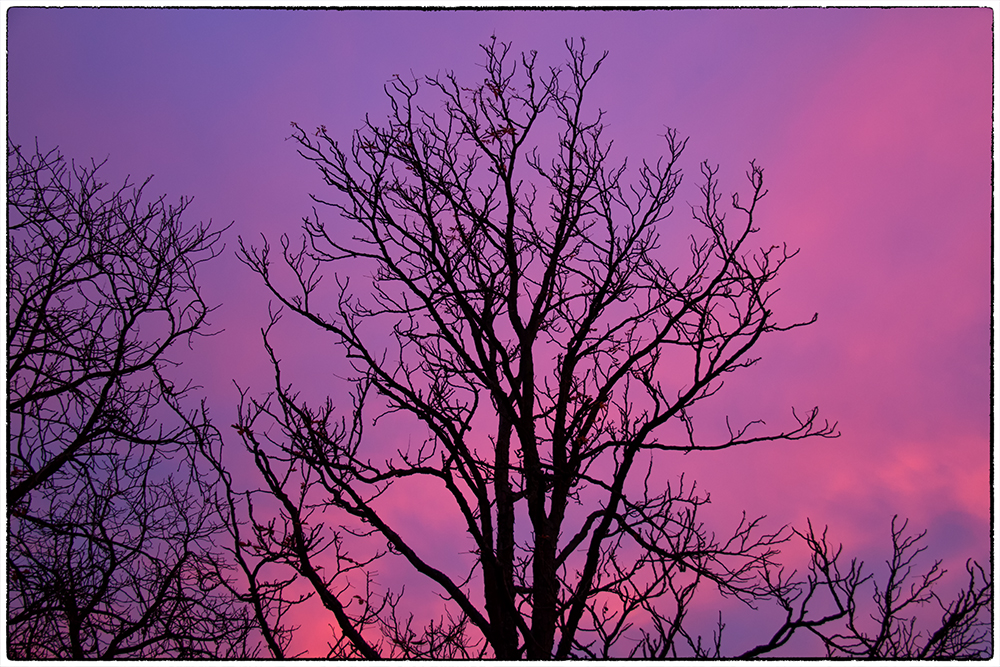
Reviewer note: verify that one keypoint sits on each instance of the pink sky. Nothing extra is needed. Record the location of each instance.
(873, 126)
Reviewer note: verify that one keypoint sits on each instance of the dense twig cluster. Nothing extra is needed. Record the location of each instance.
(110, 523)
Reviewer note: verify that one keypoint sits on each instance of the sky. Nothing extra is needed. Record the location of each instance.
(873, 127)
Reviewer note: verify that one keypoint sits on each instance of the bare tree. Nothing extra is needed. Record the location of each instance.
(111, 520)
(963, 630)
(522, 311)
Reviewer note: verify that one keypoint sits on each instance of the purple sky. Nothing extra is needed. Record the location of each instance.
(873, 126)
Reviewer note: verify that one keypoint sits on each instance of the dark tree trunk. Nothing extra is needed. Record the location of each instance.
(499, 576)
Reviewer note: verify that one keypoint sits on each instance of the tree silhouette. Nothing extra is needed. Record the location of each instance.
(111, 520)
(518, 306)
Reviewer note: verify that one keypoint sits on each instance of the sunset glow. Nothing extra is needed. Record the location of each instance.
(873, 127)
